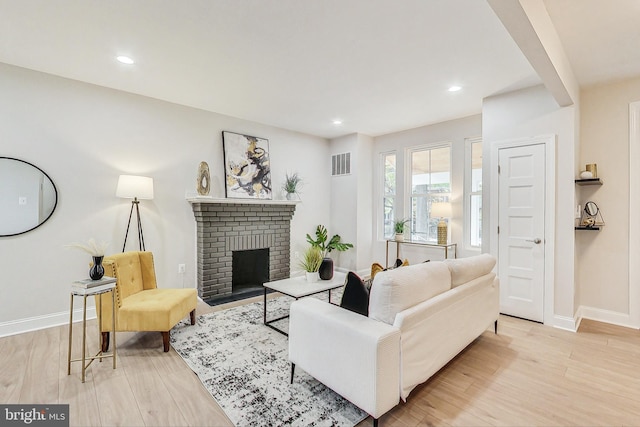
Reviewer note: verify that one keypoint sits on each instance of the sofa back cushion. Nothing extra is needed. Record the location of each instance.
(464, 270)
(395, 290)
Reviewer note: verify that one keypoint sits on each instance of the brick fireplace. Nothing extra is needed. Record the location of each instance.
(228, 225)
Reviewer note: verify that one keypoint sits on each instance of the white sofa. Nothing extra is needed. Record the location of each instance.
(420, 317)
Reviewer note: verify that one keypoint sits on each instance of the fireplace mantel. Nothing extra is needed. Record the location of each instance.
(214, 200)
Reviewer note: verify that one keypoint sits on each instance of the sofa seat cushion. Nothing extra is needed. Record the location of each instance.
(464, 270)
(155, 309)
(396, 290)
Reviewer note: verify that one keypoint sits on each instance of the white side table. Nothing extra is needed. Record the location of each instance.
(85, 288)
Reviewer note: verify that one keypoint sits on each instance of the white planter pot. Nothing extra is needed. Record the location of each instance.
(312, 277)
(399, 237)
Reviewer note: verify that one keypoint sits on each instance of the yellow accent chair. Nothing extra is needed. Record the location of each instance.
(140, 305)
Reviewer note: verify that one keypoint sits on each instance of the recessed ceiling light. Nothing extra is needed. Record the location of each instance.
(125, 59)
(454, 88)
(337, 122)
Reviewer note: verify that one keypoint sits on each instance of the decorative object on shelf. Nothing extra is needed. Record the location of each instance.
(310, 263)
(593, 168)
(591, 215)
(441, 210)
(398, 227)
(586, 175)
(203, 182)
(246, 166)
(135, 187)
(291, 186)
(97, 251)
(326, 247)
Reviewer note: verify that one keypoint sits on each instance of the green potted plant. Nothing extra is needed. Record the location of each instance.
(399, 228)
(310, 263)
(291, 185)
(326, 245)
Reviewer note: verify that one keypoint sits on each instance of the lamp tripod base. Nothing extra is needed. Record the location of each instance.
(135, 203)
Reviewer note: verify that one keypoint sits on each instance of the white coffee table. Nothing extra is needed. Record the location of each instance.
(298, 287)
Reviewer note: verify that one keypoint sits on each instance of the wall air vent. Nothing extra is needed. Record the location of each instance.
(341, 164)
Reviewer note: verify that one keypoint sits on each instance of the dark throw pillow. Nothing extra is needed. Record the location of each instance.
(355, 296)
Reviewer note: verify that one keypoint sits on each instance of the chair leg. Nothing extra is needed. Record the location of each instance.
(165, 340)
(105, 341)
(495, 327)
(375, 422)
(193, 316)
(293, 369)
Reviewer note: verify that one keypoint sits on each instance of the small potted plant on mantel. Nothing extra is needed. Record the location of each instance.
(326, 246)
(310, 263)
(399, 227)
(291, 186)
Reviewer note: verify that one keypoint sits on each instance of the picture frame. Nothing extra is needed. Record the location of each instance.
(247, 167)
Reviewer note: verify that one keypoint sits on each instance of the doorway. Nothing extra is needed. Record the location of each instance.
(523, 207)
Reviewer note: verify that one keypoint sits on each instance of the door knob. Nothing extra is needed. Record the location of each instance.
(537, 241)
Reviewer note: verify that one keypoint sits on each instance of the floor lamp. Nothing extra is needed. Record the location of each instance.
(136, 188)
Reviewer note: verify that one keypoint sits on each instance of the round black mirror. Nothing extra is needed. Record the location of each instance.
(28, 196)
(591, 209)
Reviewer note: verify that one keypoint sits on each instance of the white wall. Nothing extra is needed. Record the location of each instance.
(351, 201)
(83, 137)
(453, 131)
(528, 113)
(602, 257)
(365, 202)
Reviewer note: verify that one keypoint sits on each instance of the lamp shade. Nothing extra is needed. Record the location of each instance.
(130, 187)
(441, 210)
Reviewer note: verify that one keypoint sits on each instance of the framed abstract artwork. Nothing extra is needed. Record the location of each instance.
(246, 166)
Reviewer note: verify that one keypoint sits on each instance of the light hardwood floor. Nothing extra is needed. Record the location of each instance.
(527, 375)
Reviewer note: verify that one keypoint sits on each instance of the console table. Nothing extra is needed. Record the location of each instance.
(85, 288)
(448, 248)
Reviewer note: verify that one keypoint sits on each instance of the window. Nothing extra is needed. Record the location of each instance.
(430, 183)
(389, 193)
(473, 194)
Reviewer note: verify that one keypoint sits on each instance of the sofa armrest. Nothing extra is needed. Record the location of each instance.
(357, 357)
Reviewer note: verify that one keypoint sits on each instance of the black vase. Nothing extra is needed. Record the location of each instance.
(97, 270)
(326, 269)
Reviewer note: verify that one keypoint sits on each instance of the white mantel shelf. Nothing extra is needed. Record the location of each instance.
(214, 200)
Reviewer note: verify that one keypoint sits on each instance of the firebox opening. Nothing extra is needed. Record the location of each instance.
(250, 269)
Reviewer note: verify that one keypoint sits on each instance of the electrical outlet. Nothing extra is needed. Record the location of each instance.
(181, 268)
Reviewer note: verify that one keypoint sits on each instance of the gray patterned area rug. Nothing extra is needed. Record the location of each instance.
(245, 367)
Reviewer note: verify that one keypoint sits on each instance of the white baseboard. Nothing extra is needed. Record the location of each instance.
(566, 323)
(606, 316)
(29, 324)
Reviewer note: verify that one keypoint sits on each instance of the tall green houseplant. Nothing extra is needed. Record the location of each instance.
(327, 245)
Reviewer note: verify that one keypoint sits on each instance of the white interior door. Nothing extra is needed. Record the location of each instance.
(521, 246)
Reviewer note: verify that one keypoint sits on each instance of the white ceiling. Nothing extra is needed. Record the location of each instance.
(601, 37)
(379, 65)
